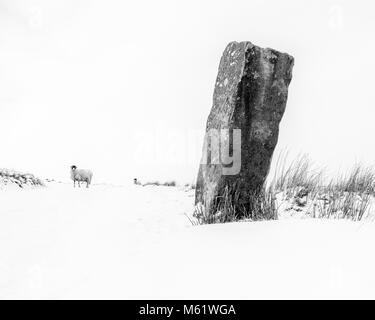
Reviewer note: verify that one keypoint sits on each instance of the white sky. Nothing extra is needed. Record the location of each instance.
(124, 88)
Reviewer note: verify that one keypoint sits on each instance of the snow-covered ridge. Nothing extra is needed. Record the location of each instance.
(12, 178)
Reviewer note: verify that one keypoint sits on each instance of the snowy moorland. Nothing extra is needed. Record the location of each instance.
(137, 242)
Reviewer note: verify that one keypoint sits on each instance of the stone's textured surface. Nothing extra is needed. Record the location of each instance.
(250, 94)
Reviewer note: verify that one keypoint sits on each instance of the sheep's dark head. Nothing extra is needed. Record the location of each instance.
(73, 167)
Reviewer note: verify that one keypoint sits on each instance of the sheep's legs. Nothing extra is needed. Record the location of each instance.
(79, 184)
(74, 183)
(87, 184)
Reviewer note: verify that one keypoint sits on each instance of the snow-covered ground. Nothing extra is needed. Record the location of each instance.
(136, 242)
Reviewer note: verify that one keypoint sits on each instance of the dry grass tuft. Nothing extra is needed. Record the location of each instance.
(302, 184)
(259, 206)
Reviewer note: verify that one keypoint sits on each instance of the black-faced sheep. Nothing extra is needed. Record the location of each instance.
(80, 175)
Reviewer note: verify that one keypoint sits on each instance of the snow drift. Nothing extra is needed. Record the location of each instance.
(136, 242)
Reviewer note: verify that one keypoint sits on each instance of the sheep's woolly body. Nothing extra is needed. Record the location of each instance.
(81, 175)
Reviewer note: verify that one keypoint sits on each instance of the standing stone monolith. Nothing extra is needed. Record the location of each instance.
(242, 129)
